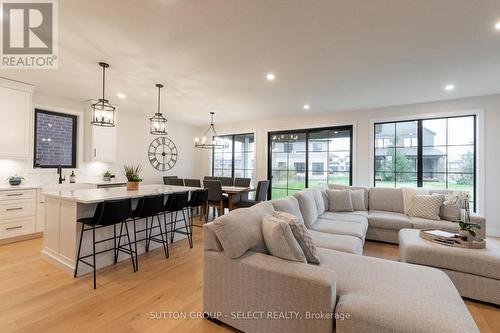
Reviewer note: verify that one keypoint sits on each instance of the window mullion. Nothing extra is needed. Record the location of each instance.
(420, 150)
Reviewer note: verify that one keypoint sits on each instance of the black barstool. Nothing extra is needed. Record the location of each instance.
(198, 200)
(149, 207)
(177, 202)
(107, 213)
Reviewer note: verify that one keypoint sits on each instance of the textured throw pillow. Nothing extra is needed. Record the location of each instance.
(409, 193)
(280, 240)
(358, 199)
(302, 236)
(427, 206)
(451, 209)
(340, 200)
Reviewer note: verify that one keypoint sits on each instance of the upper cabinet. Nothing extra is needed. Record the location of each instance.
(16, 114)
(100, 142)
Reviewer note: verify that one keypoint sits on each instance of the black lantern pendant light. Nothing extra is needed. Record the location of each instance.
(210, 139)
(103, 113)
(158, 123)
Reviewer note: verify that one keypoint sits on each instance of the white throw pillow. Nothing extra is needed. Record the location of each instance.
(280, 240)
(358, 199)
(427, 206)
(340, 200)
(302, 236)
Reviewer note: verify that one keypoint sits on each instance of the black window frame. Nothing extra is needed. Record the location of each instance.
(307, 132)
(420, 151)
(232, 136)
(74, 139)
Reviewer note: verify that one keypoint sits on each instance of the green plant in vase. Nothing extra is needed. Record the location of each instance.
(15, 180)
(107, 176)
(132, 174)
(467, 228)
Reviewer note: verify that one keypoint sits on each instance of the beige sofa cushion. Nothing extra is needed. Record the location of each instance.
(426, 206)
(388, 220)
(340, 228)
(346, 217)
(308, 207)
(288, 205)
(388, 296)
(420, 223)
(280, 240)
(358, 200)
(343, 187)
(386, 199)
(343, 243)
(408, 194)
(340, 201)
(241, 230)
(319, 198)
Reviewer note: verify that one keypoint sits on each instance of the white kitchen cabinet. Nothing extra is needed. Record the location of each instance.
(18, 210)
(100, 142)
(16, 114)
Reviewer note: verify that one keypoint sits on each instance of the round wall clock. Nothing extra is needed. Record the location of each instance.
(162, 154)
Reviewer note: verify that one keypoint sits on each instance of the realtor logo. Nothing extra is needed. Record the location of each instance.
(29, 34)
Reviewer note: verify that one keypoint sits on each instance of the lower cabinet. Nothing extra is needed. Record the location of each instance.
(18, 210)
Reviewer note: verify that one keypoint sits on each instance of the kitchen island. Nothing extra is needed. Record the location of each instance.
(62, 231)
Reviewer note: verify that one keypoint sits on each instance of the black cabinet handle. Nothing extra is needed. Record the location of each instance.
(16, 227)
(17, 208)
(14, 195)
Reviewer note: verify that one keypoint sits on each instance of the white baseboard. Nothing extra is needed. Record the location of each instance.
(492, 232)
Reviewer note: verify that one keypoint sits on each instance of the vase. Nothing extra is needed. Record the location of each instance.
(132, 186)
(15, 181)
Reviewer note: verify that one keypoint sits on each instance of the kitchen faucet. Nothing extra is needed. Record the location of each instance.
(59, 172)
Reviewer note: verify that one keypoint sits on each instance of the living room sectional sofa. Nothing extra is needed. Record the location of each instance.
(377, 295)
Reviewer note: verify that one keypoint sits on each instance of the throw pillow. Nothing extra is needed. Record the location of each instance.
(340, 200)
(451, 209)
(302, 236)
(280, 240)
(408, 194)
(427, 206)
(358, 199)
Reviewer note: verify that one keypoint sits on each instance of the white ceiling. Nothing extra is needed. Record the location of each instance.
(214, 55)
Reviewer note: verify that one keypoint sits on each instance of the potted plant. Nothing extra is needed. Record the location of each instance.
(468, 230)
(15, 180)
(107, 176)
(132, 174)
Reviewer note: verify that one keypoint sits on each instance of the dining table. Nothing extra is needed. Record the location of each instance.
(232, 192)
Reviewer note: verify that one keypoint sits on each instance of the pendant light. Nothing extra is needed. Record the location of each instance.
(210, 139)
(158, 123)
(103, 113)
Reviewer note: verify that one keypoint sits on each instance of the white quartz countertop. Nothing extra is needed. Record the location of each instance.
(17, 187)
(89, 196)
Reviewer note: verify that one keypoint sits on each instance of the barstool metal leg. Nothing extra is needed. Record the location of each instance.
(186, 223)
(79, 250)
(148, 234)
(135, 246)
(172, 231)
(163, 240)
(93, 254)
(129, 246)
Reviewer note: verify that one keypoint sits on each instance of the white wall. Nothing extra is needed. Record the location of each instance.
(133, 139)
(487, 108)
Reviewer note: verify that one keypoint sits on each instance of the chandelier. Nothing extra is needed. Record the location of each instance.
(103, 113)
(210, 139)
(158, 123)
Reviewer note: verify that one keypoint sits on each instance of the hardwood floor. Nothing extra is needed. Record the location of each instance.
(37, 297)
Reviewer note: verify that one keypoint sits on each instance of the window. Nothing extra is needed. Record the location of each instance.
(237, 160)
(433, 153)
(55, 140)
(306, 158)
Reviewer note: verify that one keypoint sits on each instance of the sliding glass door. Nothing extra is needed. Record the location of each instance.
(306, 158)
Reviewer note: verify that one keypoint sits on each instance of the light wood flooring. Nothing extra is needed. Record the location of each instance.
(35, 296)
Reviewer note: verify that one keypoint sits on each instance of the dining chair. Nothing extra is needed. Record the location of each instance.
(192, 182)
(226, 181)
(167, 177)
(210, 178)
(260, 195)
(242, 182)
(215, 198)
(175, 182)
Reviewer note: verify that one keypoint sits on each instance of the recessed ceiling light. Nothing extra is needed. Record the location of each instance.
(270, 77)
(307, 106)
(120, 95)
(449, 87)
(497, 25)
